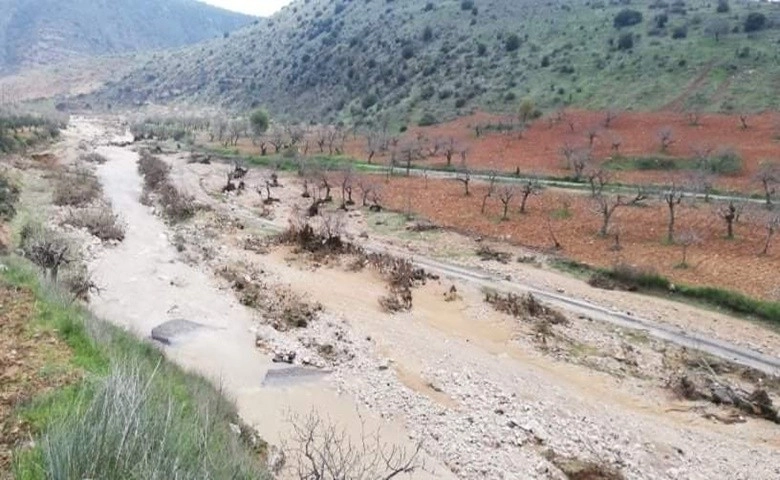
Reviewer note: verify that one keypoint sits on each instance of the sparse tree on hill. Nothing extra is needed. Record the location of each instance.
(615, 142)
(673, 197)
(530, 186)
(489, 192)
(592, 133)
(505, 195)
(743, 121)
(259, 121)
(694, 117)
(526, 111)
(609, 117)
(717, 28)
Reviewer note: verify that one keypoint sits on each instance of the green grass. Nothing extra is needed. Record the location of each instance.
(133, 415)
(651, 282)
(656, 162)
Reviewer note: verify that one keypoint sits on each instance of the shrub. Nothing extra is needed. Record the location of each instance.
(100, 222)
(680, 32)
(177, 206)
(76, 189)
(723, 6)
(93, 157)
(427, 120)
(725, 162)
(466, 5)
(153, 170)
(512, 42)
(755, 21)
(627, 18)
(9, 195)
(626, 41)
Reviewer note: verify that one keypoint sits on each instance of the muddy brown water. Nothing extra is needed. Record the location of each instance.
(145, 285)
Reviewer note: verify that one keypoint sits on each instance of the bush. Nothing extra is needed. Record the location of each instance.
(512, 42)
(100, 222)
(153, 170)
(627, 18)
(725, 162)
(427, 120)
(680, 32)
(466, 5)
(755, 21)
(723, 6)
(626, 41)
(9, 195)
(93, 157)
(76, 189)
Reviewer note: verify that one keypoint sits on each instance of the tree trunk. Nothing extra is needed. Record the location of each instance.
(670, 232)
(506, 211)
(525, 200)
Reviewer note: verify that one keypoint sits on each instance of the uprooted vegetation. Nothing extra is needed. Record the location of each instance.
(487, 253)
(100, 221)
(527, 307)
(728, 385)
(283, 308)
(76, 188)
(176, 206)
(401, 274)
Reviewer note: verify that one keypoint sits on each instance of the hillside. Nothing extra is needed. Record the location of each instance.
(320, 59)
(39, 32)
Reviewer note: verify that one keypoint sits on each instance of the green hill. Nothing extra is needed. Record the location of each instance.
(36, 32)
(350, 60)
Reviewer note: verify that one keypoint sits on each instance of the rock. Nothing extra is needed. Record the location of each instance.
(284, 357)
(167, 332)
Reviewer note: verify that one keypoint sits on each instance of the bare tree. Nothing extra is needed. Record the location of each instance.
(772, 224)
(321, 137)
(366, 189)
(609, 117)
(673, 197)
(769, 177)
(276, 137)
(410, 152)
(505, 194)
(449, 149)
(606, 207)
(743, 121)
(615, 142)
(580, 161)
(490, 191)
(694, 117)
(686, 240)
(666, 137)
(730, 214)
(531, 186)
(592, 133)
(46, 249)
(598, 177)
(321, 450)
(347, 183)
(464, 176)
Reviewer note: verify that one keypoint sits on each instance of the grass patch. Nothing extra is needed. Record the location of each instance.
(649, 281)
(133, 414)
(657, 162)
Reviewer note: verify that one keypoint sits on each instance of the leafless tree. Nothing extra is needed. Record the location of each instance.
(490, 191)
(276, 137)
(694, 117)
(615, 142)
(530, 186)
(321, 450)
(374, 142)
(321, 137)
(673, 197)
(366, 188)
(336, 137)
(730, 214)
(347, 181)
(598, 177)
(743, 121)
(576, 159)
(410, 152)
(592, 133)
(687, 239)
(505, 195)
(450, 149)
(236, 129)
(609, 117)
(769, 177)
(295, 134)
(771, 224)
(464, 176)
(46, 249)
(666, 137)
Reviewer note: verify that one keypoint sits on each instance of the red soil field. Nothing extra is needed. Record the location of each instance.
(715, 261)
(538, 150)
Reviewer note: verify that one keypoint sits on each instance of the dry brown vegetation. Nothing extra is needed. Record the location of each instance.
(99, 221)
(76, 188)
(176, 206)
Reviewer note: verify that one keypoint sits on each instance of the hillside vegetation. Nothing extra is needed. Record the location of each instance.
(35, 32)
(349, 60)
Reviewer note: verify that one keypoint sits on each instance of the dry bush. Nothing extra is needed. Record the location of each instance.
(321, 450)
(9, 195)
(153, 170)
(45, 248)
(177, 206)
(76, 188)
(93, 157)
(486, 253)
(99, 221)
(525, 306)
